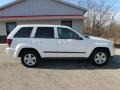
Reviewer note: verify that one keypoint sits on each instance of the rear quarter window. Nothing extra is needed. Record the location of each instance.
(24, 32)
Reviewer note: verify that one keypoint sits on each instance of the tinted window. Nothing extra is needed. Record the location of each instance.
(24, 32)
(44, 32)
(65, 33)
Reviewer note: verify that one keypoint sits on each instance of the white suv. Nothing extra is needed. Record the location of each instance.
(36, 42)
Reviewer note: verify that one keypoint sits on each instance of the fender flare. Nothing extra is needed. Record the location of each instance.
(22, 46)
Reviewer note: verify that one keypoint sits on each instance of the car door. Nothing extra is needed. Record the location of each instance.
(45, 41)
(70, 44)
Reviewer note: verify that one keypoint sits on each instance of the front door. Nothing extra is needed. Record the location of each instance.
(70, 44)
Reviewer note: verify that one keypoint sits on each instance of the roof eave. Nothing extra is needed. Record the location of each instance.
(41, 17)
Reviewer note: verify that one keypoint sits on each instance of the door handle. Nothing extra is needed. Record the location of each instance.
(59, 42)
(70, 40)
(36, 41)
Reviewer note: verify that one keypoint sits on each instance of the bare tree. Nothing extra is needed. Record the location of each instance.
(113, 24)
(98, 16)
(101, 20)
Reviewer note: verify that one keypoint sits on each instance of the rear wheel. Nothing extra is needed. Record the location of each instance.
(100, 57)
(30, 58)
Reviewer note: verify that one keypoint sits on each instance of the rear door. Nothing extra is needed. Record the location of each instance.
(45, 41)
(70, 44)
(21, 35)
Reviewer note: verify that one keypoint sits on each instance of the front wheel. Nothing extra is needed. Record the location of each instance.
(100, 57)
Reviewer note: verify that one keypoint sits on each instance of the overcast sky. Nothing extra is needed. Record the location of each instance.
(115, 3)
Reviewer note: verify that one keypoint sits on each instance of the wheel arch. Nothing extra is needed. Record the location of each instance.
(27, 49)
(101, 48)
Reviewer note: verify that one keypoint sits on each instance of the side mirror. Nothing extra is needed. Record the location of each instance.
(80, 38)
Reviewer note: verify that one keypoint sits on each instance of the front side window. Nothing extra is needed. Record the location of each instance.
(24, 32)
(44, 32)
(65, 33)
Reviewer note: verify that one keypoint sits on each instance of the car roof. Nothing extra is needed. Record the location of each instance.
(42, 25)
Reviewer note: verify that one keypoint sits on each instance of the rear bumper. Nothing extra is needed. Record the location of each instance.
(10, 52)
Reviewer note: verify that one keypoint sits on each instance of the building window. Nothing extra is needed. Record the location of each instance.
(66, 23)
(10, 26)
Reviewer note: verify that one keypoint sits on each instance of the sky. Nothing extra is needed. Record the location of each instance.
(2, 2)
(114, 3)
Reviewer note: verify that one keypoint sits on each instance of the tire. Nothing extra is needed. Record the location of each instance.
(100, 57)
(30, 58)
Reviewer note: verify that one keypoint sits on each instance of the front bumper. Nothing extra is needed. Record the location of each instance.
(112, 51)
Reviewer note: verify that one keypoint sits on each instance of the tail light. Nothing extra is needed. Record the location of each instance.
(9, 41)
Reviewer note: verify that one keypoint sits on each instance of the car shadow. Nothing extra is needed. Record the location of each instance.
(75, 64)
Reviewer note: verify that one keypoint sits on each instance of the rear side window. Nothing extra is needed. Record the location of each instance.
(44, 32)
(24, 32)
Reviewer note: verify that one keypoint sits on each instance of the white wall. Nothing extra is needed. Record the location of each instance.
(52, 22)
(78, 25)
